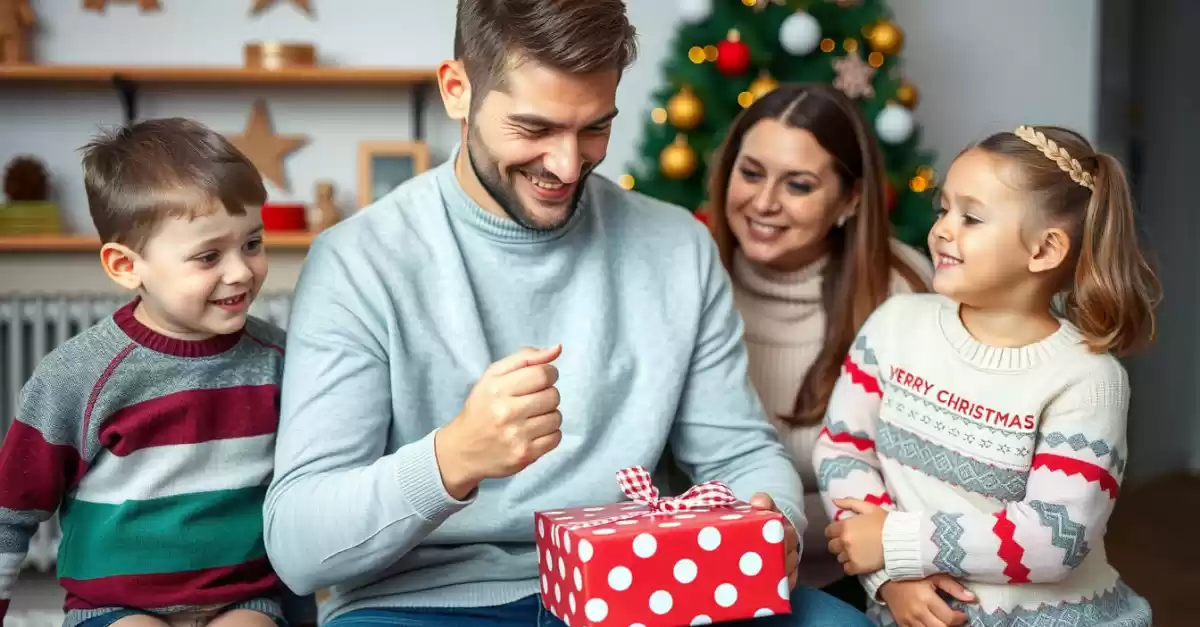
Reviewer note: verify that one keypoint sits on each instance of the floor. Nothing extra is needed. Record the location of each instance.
(1147, 542)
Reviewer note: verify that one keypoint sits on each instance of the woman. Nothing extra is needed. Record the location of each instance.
(798, 211)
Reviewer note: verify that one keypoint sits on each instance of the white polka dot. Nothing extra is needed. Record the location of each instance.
(566, 621)
(750, 564)
(685, 571)
(763, 612)
(596, 610)
(644, 545)
(549, 560)
(566, 542)
(604, 532)
(710, 538)
(541, 529)
(585, 551)
(669, 525)
(593, 509)
(702, 620)
(731, 517)
(630, 508)
(554, 513)
(726, 595)
(545, 585)
(571, 599)
(773, 531)
(744, 508)
(637, 625)
(685, 516)
(565, 518)
(620, 578)
(557, 594)
(784, 591)
(554, 537)
(661, 602)
(562, 568)
(627, 522)
(578, 579)
(700, 511)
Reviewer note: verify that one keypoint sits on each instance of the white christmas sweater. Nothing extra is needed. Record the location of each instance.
(1000, 465)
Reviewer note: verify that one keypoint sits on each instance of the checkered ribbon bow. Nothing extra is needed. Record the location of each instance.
(636, 484)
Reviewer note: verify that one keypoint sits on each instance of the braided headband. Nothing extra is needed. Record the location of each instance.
(1057, 154)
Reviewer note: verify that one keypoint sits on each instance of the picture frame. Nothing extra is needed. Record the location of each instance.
(382, 165)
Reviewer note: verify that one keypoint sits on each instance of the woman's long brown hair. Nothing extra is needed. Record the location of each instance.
(857, 276)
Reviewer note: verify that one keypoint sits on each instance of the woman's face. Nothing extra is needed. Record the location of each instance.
(784, 196)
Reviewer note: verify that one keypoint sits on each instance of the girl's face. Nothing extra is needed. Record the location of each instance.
(783, 196)
(979, 253)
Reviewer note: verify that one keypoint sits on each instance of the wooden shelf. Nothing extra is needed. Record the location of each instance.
(201, 75)
(87, 243)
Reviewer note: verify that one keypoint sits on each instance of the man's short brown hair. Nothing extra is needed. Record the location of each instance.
(139, 175)
(573, 36)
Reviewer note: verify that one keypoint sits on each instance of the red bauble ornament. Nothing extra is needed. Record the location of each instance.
(889, 196)
(733, 55)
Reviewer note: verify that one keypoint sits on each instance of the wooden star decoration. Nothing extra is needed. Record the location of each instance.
(854, 77)
(264, 148)
(143, 5)
(263, 5)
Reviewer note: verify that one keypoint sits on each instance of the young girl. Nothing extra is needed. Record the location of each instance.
(978, 435)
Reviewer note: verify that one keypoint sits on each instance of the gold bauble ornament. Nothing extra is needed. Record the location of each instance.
(678, 161)
(907, 95)
(685, 110)
(762, 85)
(886, 37)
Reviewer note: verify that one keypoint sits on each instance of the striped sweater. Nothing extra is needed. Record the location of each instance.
(1000, 465)
(156, 454)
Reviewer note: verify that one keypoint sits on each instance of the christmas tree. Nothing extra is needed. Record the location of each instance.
(730, 52)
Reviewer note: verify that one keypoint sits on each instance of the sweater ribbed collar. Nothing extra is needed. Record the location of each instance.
(763, 283)
(465, 210)
(1003, 358)
(155, 341)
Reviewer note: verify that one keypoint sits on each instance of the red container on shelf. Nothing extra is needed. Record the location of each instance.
(281, 216)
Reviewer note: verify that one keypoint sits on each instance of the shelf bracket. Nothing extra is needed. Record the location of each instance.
(128, 91)
(418, 111)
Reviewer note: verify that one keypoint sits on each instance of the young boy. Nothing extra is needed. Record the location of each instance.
(152, 433)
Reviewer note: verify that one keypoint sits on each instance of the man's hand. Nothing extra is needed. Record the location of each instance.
(917, 603)
(858, 541)
(791, 541)
(509, 420)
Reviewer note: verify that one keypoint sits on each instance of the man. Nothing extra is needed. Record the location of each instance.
(419, 431)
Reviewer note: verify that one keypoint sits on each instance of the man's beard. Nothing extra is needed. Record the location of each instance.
(505, 194)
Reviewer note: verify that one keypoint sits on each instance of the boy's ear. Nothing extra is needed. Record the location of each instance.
(1051, 251)
(119, 264)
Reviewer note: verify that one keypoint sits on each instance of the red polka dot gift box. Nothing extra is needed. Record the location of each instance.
(703, 557)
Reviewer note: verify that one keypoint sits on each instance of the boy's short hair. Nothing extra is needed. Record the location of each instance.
(138, 175)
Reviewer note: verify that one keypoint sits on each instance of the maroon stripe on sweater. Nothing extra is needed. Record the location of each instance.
(193, 416)
(3, 609)
(210, 586)
(96, 389)
(34, 474)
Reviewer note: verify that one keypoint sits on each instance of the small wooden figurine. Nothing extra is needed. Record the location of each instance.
(263, 5)
(327, 213)
(16, 20)
(98, 5)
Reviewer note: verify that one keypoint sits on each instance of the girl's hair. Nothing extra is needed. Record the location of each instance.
(1112, 291)
(857, 276)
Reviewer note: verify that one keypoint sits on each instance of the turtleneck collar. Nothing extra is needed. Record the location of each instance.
(465, 210)
(795, 286)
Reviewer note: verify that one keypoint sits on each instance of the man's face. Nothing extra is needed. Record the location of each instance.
(533, 144)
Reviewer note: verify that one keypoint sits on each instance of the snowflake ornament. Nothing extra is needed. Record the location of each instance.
(854, 76)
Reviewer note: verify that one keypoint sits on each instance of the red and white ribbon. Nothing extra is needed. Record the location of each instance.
(636, 483)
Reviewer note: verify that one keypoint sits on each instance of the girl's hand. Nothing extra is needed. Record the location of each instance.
(917, 603)
(858, 542)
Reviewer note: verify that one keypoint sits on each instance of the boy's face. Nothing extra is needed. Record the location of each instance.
(198, 276)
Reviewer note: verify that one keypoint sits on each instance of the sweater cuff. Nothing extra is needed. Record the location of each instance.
(872, 583)
(416, 471)
(902, 546)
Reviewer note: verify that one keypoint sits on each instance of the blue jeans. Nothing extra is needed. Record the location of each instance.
(810, 608)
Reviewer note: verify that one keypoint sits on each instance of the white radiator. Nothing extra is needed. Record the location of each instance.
(33, 325)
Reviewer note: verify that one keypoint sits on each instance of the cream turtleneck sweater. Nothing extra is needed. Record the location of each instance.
(785, 328)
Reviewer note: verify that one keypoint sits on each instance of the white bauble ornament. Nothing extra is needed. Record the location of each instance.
(894, 124)
(694, 11)
(800, 33)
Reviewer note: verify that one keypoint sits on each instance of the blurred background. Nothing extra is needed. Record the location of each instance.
(335, 103)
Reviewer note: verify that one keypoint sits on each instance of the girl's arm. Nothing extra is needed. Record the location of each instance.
(1075, 475)
(844, 455)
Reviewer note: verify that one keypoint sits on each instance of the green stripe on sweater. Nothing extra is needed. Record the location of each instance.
(166, 535)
